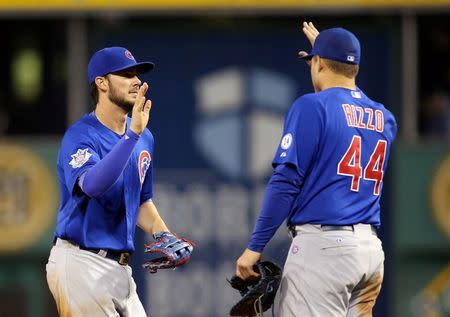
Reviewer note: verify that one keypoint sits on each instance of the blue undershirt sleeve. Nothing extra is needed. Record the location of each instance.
(100, 177)
(281, 192)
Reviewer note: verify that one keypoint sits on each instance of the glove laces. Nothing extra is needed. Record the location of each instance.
(257, 306)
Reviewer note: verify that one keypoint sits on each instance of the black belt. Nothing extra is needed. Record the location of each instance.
(332, 228)
(337, 228)
(123, 258)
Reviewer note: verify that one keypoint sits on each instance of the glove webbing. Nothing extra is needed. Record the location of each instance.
(259, 310)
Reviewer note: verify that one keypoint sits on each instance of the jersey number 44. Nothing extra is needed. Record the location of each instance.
(350, 164)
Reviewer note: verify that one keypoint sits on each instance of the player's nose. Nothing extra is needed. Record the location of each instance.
(137, 81)
(136, 84)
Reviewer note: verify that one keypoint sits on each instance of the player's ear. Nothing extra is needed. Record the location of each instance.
(322, 64)
(101, 83)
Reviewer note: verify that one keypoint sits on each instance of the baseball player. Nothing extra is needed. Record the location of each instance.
(327, 183)
(105, 168)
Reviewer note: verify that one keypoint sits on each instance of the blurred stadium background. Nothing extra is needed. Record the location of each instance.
(226, 72)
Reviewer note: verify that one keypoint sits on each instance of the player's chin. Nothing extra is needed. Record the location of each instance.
(127, 105)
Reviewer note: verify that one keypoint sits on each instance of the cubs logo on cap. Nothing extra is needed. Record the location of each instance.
(129, 55)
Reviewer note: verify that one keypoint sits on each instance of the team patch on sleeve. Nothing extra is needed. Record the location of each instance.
(285, 144)
(80, 158)
(144, 164)
(286, 141)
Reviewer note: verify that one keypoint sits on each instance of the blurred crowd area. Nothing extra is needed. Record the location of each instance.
(35, 77)
(434, 77)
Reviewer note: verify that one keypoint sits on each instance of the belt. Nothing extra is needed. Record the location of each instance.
(333, 228)
(123, 258)
(337, 228)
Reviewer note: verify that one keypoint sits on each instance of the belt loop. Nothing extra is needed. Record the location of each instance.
(124, 258)
(292, 232)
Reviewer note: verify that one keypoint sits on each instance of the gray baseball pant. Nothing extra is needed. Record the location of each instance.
(86, 284)
(331, 273)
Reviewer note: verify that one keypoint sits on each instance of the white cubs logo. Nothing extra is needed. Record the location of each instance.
(129, 55)
(286, 141)
(144, 164)
(356, 94)
(80, 158)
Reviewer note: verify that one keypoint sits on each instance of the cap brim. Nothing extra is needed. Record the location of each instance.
(142, 67)
(307, 57)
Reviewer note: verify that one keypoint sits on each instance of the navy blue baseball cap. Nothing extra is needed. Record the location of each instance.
(114, 59)
(336, 44)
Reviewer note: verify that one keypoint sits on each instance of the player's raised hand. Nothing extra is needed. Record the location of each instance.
(311, 33)
(141, 111)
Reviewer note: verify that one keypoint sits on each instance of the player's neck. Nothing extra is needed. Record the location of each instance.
(338, 81)
(111, 116)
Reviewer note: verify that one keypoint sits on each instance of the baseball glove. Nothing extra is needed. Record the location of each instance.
(167, 251)
(257, 295)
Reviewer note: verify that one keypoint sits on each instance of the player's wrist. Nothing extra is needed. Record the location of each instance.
(254, 247)
(132, 134)
(161, 234)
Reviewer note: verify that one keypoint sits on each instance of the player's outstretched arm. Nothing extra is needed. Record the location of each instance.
(281, 192)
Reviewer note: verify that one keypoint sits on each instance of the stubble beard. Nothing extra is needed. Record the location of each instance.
(119, 100)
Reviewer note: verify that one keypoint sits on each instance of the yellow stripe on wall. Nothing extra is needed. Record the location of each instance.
(211, 4)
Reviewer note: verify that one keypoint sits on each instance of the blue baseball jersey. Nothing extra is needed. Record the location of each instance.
(339, 141)
(107, 222)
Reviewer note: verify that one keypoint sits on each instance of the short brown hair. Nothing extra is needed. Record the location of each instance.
(94, 93)
(347, 70)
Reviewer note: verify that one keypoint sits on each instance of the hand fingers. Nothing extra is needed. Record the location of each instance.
(253, 273)
(245, 275)
(142, 90)
(310, 31)
(311, 37)
(308, 26)
(140, 99)
(313, 28)
(245, 272)
(147, 106)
